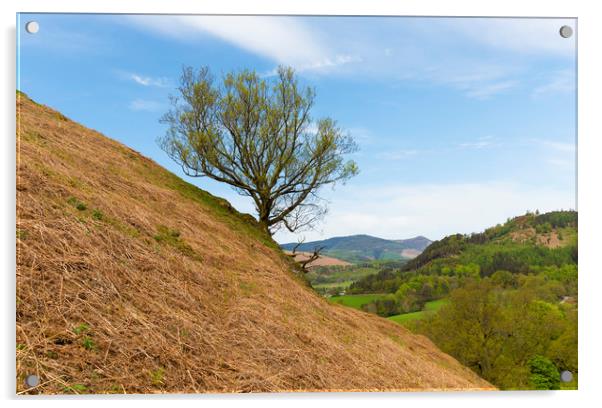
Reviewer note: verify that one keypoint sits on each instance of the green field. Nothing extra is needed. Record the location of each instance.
(336, 278)
(355, 301)
(429, 307)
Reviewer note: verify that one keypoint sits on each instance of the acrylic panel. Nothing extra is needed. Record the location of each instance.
(219, 204)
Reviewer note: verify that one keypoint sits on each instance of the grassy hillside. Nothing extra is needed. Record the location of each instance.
(362, 248)
(132, 280)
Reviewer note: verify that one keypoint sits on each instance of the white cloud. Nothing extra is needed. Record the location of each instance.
(433, 210)
(523, 35)
(145, 105)
(284, 40)
(480, 143)
(149, 81)
(399, 154)
(486, 91)
(476, 79)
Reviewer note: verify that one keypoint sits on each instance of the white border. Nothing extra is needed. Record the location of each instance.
(590, 203)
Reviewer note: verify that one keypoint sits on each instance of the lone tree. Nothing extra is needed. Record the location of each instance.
(256, 135)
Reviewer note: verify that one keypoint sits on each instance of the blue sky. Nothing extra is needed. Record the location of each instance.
(461, 123)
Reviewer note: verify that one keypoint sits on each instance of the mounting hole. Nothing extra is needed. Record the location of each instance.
(566, 376)
(32, 27)
(32, 380)
(566, 31)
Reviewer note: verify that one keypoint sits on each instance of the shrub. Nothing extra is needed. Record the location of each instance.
(544, 374)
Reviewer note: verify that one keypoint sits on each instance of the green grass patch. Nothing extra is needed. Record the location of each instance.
(356, 301)
(429, 307)
(81, 206)
(435, 305)
(172, 238)
(221, 208)
(81, 328)
(75, 388)
(157, 376)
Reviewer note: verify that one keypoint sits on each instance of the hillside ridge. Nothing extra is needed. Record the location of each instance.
(363, 247)
(130, 280)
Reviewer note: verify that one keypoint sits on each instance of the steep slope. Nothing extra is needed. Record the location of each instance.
(131, 280)
(360, 248)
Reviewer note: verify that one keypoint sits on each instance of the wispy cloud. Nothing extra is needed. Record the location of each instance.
(145, 105)
(486, 91)
(562, 81)
(558, 146)
(480, 143)
(476, 79)
(519, 35)
(284, 40)
(399, 154)
(149, 81)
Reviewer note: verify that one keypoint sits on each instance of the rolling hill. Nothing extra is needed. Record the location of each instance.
(130, 280)
(361, 248)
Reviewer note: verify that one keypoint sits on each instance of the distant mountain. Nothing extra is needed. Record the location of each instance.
(361, 248)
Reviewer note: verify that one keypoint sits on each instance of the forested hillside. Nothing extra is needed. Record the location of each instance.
(510, 298)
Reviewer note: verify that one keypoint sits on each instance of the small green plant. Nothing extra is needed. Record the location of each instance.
(88, 343)
(81, 328)
(97, 215)
(21, 346)
(157, 376)
(75, 388)
(77, 204)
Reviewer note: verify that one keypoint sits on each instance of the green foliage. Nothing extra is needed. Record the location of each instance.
(511, 315)
(97, 215)
(544, 375)
(254, 134)
(497, 332)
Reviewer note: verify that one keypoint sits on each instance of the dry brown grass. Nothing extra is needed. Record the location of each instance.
(127, 284)
(548, 239)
